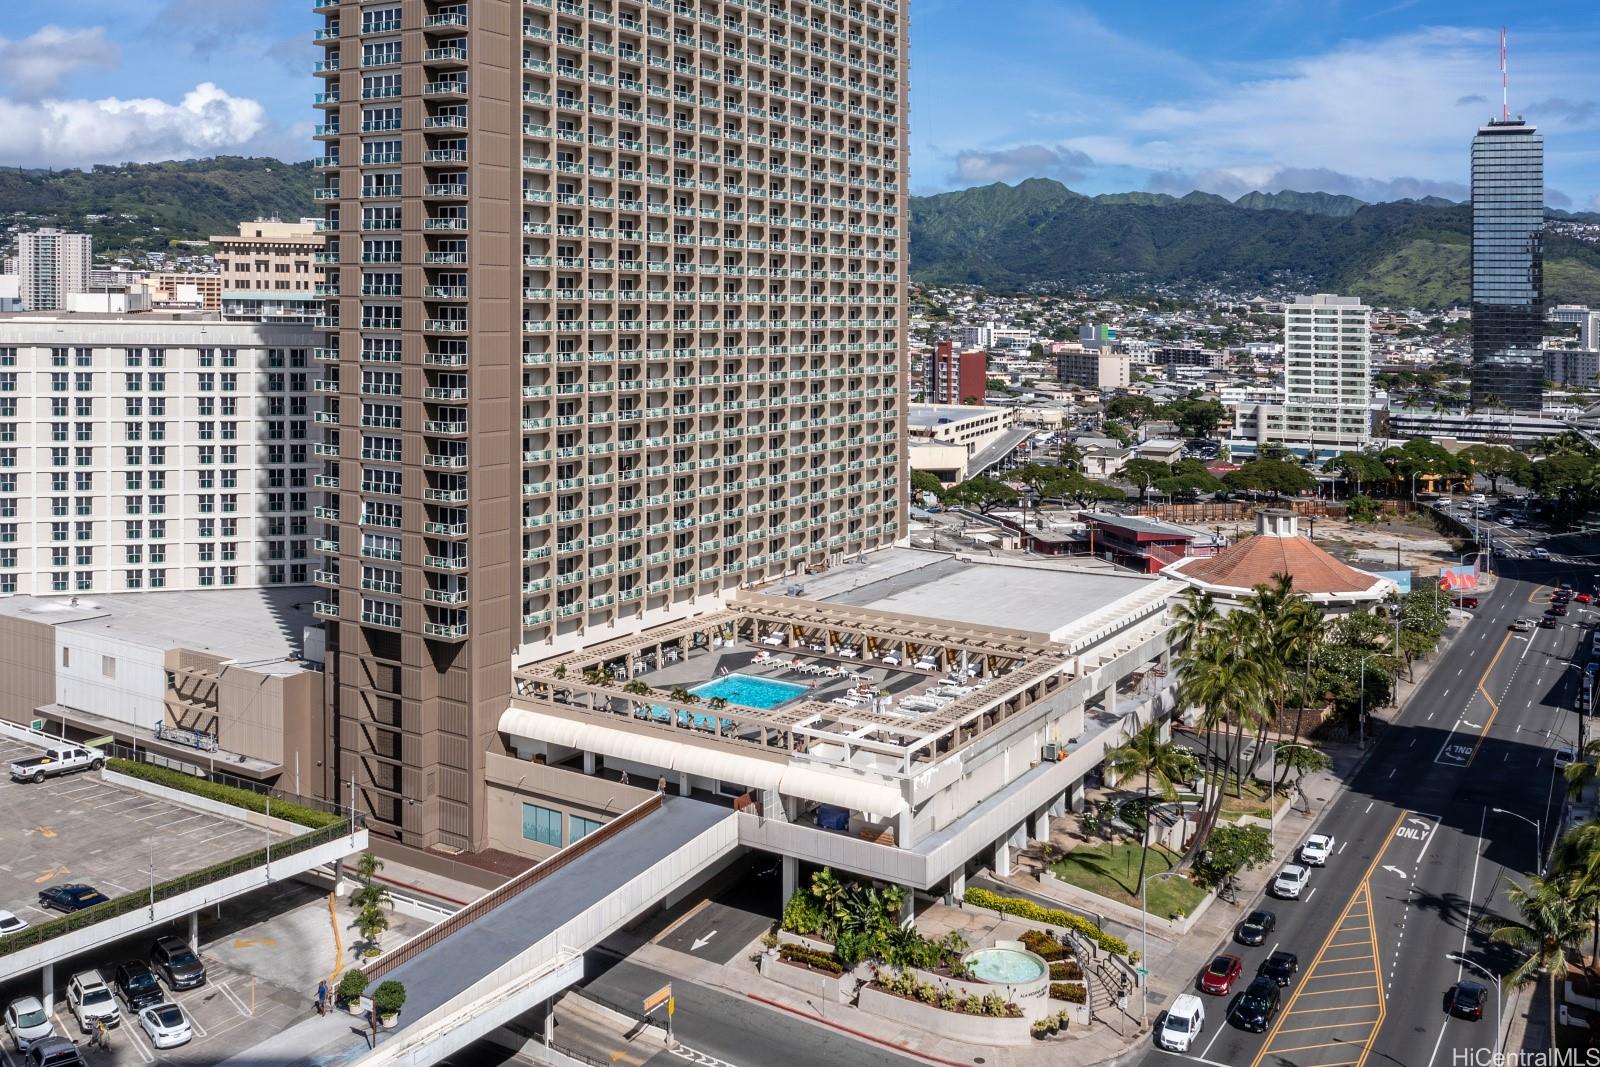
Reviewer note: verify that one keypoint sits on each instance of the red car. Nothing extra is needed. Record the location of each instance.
(1467, 602)
(1583, 598)
(1220, 976)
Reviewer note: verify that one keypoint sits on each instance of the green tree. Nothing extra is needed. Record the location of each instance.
(1271, 476)
(1494, 463)
(1132, 409)
(926, 482)
(1230, 850)
(1142, 473)
(982, 494)
(1549, 927)
(1359, 469)
(1362, 509)
(1163, 763)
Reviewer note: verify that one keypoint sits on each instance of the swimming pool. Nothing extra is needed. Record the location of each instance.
(748, 691)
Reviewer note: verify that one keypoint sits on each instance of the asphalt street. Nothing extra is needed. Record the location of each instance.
(1422, 857)
(717, 1030)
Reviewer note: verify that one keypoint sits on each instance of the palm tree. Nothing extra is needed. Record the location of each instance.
(1581, 772)
(1195, 614)
(1163, 764)
(1549, 928)
(1577, 855)
(1224, 684)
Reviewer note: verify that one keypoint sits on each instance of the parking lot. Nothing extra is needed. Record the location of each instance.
(78, 828)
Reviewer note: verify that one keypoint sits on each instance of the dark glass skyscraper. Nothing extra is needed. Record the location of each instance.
(1507, 266)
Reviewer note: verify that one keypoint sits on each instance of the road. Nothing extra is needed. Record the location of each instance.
(1422, 857)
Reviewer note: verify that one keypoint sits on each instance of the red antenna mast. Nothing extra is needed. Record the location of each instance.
(1505, 98)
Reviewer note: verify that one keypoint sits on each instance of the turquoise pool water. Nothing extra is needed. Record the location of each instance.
(750, 692)
(1005, 966)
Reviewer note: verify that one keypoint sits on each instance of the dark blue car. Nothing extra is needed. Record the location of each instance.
(69, 898)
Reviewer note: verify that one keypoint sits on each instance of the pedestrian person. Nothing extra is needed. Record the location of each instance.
(624, 777)
(322, 997)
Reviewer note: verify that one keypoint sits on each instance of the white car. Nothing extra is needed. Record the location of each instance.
(90, 1001)
(26, 1022)
(1539, 553)
(10, 924)
(166, 1025)
(1564, 757)
(1315, 850)
(1290, 881)
(1182, 1023)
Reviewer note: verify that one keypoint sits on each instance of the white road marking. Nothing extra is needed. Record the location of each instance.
(1342, 844)
(1369, 808)
(1311, 894)
(234, 998)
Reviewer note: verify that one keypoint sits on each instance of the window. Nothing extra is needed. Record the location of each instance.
(580, 828)
(539, 824)
(108, 666)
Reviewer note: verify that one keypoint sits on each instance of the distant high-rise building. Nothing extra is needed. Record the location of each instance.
(957, 377)
(53, 265)
(1586, 320)
(1327, 382)
(1507, 266)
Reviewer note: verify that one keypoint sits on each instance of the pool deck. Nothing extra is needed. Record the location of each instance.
(705, 667)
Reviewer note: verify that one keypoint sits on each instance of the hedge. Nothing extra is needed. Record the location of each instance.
(1066, 971)
(1071, 992)
(807, 957)
(1027, 909)
(225, 794)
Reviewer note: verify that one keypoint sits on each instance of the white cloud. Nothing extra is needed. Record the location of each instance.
(36, 65)
(80, 132)
(983, 167)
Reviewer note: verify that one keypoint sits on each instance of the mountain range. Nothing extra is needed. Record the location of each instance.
(1407, 253)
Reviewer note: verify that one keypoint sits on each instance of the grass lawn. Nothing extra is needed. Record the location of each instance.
(1112, 871)
(1253, 802)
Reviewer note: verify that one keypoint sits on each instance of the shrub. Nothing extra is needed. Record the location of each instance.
(806, 957)
(905, 984)
(1027, 909)
(226, 794)
(1044, 946)
(803, 914)
(351, 986)
(1071, 992)
(1066, 971)
(389, 997)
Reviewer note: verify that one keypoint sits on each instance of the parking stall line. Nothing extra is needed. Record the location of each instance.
(130, 1027)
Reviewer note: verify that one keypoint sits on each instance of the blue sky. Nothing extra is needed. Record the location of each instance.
(1378, 99)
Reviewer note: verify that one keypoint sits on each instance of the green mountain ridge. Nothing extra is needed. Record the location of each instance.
(1409, 253)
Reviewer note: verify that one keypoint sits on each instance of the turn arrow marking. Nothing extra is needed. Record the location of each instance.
(701, 942)
(1395, 870)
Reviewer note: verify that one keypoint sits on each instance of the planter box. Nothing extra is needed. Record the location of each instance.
(813, 983)
(1032, 997)
(955, 1025)
(812, 943)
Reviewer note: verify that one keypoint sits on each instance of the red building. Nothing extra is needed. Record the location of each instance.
(957, 377)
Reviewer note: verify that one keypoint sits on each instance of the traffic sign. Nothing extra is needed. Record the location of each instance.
(658, 998)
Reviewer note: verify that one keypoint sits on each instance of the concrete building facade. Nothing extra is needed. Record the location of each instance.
(153, 452)
(1101, 367)
(957, 377)
(268, 256)
(52, 265)
(615, 312)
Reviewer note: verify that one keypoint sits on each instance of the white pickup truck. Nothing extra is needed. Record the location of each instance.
(58, 759)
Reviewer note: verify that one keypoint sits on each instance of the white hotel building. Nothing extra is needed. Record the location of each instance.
(153, 452)
(1327, 381)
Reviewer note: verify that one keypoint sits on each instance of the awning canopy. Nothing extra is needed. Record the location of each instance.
(843, 788)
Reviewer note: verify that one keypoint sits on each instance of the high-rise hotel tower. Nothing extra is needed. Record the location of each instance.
(1508, 266)
(613, 325)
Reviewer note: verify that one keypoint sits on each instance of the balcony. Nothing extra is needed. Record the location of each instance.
(445, 496)
(444, 325)
(380, 618)
(451, 191)
(449, 88)
(446, 631)
(445, 596)
(445, 122)
(452, 55)
(445, 529)
(445, 427)
(444, 292)
(329, 578)
(446, 223)
(325, 609)
(445, 563)
(444, 462)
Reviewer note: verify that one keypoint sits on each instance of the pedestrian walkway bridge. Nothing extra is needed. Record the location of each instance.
(521, 944)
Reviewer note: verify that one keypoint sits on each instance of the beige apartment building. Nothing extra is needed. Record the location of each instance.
(268, 256)
(615, 327)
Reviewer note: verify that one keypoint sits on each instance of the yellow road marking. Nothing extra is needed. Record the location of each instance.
(1362, 940)
(1309, 1011)
(623, 1057)
(1341, 989)
(1338, 974)
(43, 831)
(1302, 1048)
(240, 942)
(51, 874)
(1383, 1011)
(1347, 959)
(1362, 889)
(1324, 1026)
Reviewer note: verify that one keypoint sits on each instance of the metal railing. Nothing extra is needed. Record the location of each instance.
(204, 771)
(149, 898)
(496, 897)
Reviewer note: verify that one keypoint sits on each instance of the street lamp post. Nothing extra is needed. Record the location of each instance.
(1144, 936)
(1272, 829)
(1500, 1036)
(1538, 840)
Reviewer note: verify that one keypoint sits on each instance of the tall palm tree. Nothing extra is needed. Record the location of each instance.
(1195, 615)
(1550, 926)
(1163, 764)
(1576, 855)
(1224, 684)
(1580, 772)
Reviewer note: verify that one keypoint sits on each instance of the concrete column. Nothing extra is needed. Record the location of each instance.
(683, 785)
(790, 878)
(194, 930)
(1041, 826)
(1111, 698)
(588, 763)
(48, 994)
(1058, 805)
(549, 1029)
(958, 885)
(1002, 857)
(902, 829)
(1075, 797)
(908, 908)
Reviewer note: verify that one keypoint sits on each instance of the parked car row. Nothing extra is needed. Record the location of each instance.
(92, 1001)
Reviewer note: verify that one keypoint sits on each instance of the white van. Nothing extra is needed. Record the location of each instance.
(1182, 1024)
